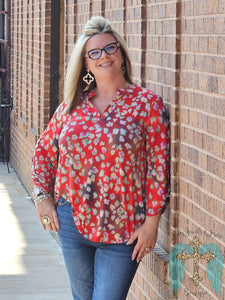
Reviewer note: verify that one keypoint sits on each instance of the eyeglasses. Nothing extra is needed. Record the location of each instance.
(97, 53)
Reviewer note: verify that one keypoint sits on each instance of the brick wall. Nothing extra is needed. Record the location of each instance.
(30, 77)
(177, 49)
(202, 133)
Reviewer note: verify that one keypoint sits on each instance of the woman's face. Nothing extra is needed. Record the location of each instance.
(107, 65)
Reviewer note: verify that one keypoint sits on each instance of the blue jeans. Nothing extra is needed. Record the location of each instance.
(97, 271)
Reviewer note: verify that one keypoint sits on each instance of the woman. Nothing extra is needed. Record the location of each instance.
(106, 149)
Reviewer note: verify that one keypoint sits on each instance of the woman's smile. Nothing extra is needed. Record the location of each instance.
(106, 65)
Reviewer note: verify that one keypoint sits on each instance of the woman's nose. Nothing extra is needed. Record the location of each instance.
(104, 53)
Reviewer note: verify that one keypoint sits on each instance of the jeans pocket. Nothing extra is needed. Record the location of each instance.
(62, 202)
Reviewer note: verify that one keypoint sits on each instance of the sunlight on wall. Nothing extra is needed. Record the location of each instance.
(10, 252)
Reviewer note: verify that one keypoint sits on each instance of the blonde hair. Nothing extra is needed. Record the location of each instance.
(74, 84)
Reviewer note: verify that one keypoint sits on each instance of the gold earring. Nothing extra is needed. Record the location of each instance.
(88, 78)
(123, 69)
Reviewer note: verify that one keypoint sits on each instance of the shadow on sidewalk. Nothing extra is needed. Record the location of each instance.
(31, 264)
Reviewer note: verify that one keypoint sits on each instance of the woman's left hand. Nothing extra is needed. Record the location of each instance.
(146, 237)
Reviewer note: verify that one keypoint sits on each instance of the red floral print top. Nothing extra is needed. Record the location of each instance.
(113, 167)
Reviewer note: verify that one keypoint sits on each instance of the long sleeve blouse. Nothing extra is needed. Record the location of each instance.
(112, 167)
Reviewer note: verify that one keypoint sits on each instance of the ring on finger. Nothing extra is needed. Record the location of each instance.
(148, 249)
(45, 220)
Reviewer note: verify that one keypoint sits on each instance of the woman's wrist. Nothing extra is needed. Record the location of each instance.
(39, 195)
(153, 219)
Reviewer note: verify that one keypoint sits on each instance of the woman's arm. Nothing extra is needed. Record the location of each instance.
(45, 162)
(157, 183)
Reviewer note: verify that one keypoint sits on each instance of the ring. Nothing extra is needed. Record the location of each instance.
(45, 220)
(147, 249)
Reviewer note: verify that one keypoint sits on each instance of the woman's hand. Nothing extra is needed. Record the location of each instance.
(146, 237)
(48, 208)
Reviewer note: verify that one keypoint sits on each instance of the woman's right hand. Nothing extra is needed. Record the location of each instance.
(47, 207)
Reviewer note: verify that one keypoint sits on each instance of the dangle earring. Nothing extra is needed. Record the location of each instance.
(88, 78)
(123, 69)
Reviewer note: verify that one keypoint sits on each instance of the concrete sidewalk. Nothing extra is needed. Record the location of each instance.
(31, 264)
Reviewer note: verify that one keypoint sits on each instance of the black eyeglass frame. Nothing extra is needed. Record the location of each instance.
(87, 54)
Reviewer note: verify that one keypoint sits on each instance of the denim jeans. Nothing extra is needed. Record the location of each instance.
(97, 271)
